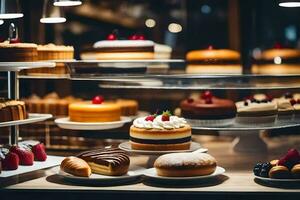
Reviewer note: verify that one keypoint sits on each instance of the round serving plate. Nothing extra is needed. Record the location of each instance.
(17, 66)
(151, 173)
(127, 147)
(139, 114)
(134, 172)
(32, 118)
(275, 180)
(141, 61)
(65, 123)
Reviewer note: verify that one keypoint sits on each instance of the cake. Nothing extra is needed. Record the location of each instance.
(94, 111)
(18, 52)
(11, 110)
(185, 164)
(162, 51)
(112, 48)
(128, 107)
(160, 133)
(213, 61)
(208, 110)
(107, 161)
(278, 61)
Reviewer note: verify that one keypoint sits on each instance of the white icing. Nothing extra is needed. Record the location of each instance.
(123, 43)
(254, 107)
(174, 123)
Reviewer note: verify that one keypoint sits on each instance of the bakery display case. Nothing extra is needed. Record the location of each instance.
(113, 114)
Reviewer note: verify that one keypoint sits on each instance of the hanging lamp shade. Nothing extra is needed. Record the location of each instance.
(67, 2)
(289, 3)
(9, 9)
(52, 14)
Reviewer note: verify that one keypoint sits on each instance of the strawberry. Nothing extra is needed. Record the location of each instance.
(10, 162)
(26, 156)
(150, 118)
(290, 159)
(39, 152)
(111, 37)
(206, 95)
(166, 116)
(98, 100)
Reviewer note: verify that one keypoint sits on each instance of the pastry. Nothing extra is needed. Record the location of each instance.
(278, 61)
(113, 49)
(213, 61)
(108, 161)
(208, 110)
(256, 111)
(128, 107)
(18, 52)
(94, 111)
(295, 171)
(75, 166)
(11, 110)
(279, 172)
(160, 133)
(274, 162)
(185, 164)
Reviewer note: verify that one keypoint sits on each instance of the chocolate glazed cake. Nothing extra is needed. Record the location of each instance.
(108, 161)
(11, 110)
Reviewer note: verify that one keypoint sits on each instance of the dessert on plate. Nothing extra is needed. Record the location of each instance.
(96, 110)
(11, 110)
(75, 166)
(185, 164)
(129, 107)
(208, 110)
(18, 52)
(213, 61)
(160, 133)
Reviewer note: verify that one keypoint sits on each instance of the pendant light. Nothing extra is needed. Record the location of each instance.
(67, 2)
(52, 14)
(1, 22)
(9, 9)
(289, 3)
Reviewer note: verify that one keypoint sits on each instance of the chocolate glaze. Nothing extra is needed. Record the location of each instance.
(114, 157)
(169, 141)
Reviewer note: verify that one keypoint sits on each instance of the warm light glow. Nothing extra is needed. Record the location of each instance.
(277, 60)
(67, 3)
(53, 20)
(175, 28)
(11, 15)
(1, 22)
(291, 4)
(150, 23)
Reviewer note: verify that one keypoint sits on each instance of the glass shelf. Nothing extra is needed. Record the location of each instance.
(32, 118)
(18, 66)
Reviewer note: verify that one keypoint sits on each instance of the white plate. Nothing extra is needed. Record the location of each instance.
(32, 118)
(65, 123)
(127, 147)
(50, 162)
(275, 180)
(133, 173)
(17, 66)
(151, 173)
(139, 114)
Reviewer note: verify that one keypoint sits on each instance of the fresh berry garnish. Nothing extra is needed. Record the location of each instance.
(10, 162)
(14, 40)
(290, 159)
(257, 169)
(298, 101)
(265, 168)
(288, 95)
(26, 156)
(150, 118)
(246, 103)
(111, 37)
(277, 45)
(98, 100)
(293, 101)
(133, 37)
(39, 152)
(269, 97)
(207, 95)
(141, 37)
(210, 47)
(166, 116)
(190, 100)
(208, 101)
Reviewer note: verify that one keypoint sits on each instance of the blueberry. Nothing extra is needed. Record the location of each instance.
(264, 173)
(266, 166)
(256, 171)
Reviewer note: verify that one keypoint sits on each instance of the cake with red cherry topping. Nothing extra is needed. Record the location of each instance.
(113, 48)
(208, 110)
(96, 110)
(160, 133)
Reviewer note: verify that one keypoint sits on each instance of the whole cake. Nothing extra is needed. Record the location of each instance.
(208, 110)
(185, 164)
(278, 61)
(18, 52)
(160, 132)
(94, 111)
(136, 47)
(129, 107)
(11, 110)
(213, 61)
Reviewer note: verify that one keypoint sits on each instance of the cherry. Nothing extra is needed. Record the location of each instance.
(111, 37)
(293, 101)
(98, 100)
(141, 37)
(150, 118)
(14, 41)
(133, 37)
(190, 100)
(207, 95)
(210, 47)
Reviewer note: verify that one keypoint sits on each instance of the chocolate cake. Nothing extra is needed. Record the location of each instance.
(11, 110)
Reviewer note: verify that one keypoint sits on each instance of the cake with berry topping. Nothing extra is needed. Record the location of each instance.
(213, 61)
(113, 48)
(208, 110)
(160, 133)
(94, 111)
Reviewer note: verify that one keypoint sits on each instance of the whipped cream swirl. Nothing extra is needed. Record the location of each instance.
(174, 123)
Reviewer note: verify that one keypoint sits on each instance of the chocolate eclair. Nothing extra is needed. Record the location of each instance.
(107, 161)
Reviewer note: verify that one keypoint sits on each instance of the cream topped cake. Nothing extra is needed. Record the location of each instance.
(160, 132)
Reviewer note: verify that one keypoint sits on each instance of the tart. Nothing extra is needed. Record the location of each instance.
(18, 52)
